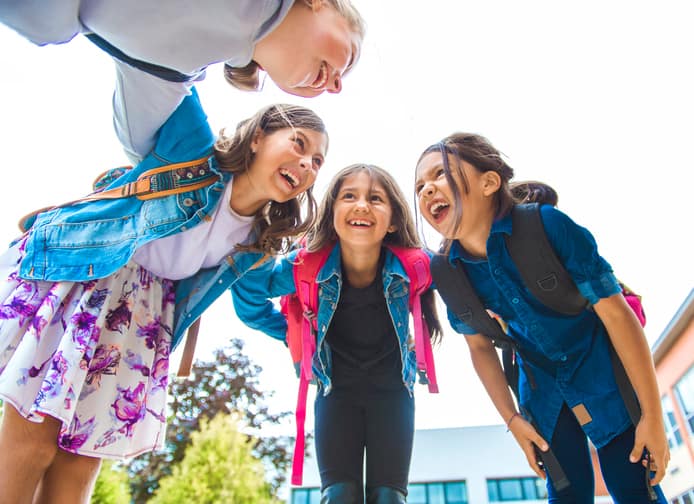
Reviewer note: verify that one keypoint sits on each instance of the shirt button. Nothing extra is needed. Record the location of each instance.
(219, 281)
(188, 202)
(183, 228)
(515, 300)
(563, 358)
(497, 271)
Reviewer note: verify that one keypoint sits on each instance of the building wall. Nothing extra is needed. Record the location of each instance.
(678, 359)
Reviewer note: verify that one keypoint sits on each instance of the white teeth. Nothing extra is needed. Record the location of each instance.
(359, 222)
(322, 76)
(290, 177)
(436, 207)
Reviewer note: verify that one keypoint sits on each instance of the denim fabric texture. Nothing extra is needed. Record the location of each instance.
(252, 294)
(94, 239)
(567, 355)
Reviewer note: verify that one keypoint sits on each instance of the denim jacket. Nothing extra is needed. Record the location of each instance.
(252, 293)
(94, 239)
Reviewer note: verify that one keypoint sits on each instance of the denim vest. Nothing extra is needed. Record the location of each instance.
(94, 239)
(253, 292)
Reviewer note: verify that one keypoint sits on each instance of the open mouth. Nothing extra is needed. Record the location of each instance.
(360, 223)
(290, 177)
(439, 210)
(321, 78)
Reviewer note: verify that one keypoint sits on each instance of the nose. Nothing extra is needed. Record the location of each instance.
(334, 84)
(428, 190)
(362, 204)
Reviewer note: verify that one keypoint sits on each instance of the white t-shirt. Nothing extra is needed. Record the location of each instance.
(183, 254)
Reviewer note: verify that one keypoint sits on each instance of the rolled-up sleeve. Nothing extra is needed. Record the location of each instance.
(578, 251)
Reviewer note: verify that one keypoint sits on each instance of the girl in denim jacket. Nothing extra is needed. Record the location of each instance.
(96, 294)
(162, 48)
(462, 189)
(364, 361)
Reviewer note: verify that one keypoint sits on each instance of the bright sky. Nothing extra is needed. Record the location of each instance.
(595, 98)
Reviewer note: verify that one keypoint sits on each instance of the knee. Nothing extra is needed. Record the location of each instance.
(21, 439)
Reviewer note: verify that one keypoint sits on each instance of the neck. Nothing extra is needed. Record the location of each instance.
(360, 265)
(473, 236)
(245, 198)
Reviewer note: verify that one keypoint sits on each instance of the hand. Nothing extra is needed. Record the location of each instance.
(528, 439)
(650, 435)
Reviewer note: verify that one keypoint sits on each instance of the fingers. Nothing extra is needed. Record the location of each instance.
(657, 466)
(637, 451)
(534, 461)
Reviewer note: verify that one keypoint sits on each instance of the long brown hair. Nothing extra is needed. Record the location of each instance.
(247, 78)
(276, 223)
(484, 157)
(405, 235)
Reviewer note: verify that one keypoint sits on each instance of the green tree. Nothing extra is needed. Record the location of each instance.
(112, 485)
(228, 382)
(218, 467)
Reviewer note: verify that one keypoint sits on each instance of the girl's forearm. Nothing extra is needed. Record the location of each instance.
(629, 341)
(488, 368)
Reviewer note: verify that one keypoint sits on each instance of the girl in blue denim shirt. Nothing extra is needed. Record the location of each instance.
(162, 48)
(364, 361)
(96, 294)
(462, 189)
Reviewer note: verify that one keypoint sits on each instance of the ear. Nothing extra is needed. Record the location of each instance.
(315, 5)
(257, 137)
(491, 183)
(392, 228)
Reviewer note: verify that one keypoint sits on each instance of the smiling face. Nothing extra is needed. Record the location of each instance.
(437, 200)
(286, 162)
(362, 212)
(310, 51)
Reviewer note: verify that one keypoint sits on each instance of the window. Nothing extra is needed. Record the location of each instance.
(684, 389)
(516, 489)
(685, 498)
(674, 436)
(444, 492)
(306, 496)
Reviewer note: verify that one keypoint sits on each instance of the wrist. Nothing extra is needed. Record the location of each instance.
(511, 419)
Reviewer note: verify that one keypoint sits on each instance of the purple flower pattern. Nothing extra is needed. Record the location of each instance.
(74, 360)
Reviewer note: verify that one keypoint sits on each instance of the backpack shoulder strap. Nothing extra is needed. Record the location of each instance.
(416, 264)
(537, 262)
(461, 298)
(306, 269)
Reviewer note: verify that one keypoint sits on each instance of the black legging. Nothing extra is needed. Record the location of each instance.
(352, 420)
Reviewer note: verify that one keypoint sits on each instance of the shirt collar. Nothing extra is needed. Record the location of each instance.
(502, 225)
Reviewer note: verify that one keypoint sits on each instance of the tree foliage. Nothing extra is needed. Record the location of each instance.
(112, 485)
(218, 466)
(227, 383)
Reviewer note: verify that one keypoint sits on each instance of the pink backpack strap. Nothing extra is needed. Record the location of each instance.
(306, 269)
(416, 264)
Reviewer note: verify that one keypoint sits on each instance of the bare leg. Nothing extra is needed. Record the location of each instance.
(69, 479)
(26, 450)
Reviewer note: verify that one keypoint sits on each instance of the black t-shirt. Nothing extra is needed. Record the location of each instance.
(362, 338)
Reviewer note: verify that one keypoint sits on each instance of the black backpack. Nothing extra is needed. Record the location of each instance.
(546, 278)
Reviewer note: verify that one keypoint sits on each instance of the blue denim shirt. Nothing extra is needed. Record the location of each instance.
(253, 292)
(569, 354)
(94, 239)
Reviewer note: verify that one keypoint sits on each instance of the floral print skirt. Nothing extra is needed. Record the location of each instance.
(94, 355)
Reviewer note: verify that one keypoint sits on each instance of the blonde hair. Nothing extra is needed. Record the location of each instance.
(276, 224)
(247, 78)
